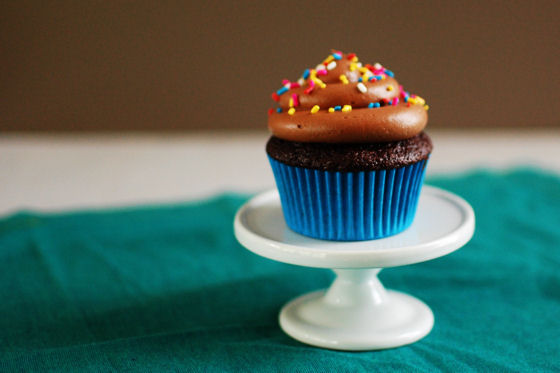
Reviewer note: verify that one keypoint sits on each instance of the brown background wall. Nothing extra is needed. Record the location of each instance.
(163, 65)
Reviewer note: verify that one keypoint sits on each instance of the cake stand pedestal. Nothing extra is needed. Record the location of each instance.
(357, 312)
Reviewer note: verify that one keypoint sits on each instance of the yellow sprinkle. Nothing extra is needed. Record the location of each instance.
(363, 70)
(315, 109)
(390, 88)
(329, 58)
(346, 108)
(291, 111)
(427, 107)
(355, 59)
(353, 66)
(420, 100)
(343, 79)
(319, 82)
(383, 77)
(331, 110)
(291, 102)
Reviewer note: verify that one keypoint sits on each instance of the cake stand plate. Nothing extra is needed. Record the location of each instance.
(357, 312)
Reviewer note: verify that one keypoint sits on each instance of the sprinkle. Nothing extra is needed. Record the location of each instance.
(291, 111)
(408, 104)
(338, 108)
(291, 102)
(360, 79)
(282, 90)
(295, 99)
(376, 104)
(343, 79)
(331, 110)
(377, 66)
(390, 73)
(295, 85)
(301, 81)
(309, 89)
(337, 55)
(321, 72)
(275, 96)
(270, 111)
(395, 101)
(361, 87)
(390, 87)
(350, 56)
(305, 74)
(370, 105)
(319, 82)
(353, 66)
(285, 81)
(315, 109)
(378, 77)
(346, 108)
(427, 107)
(371, 78)
(279, 110)
(331, 65)
(328, 59)
(319, 66)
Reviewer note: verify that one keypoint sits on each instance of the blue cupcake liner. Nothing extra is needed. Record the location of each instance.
(348, 206)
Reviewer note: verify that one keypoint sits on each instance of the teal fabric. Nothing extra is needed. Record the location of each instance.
(169, 289)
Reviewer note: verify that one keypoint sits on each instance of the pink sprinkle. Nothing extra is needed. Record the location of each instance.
(321, 72)
(395, 101)
(285, 81)
(309, 89)
(294, 85)
(296, 99)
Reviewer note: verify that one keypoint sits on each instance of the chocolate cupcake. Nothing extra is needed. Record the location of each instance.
(347, 151)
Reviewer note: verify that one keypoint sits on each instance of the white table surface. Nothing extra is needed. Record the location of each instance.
(61, 172)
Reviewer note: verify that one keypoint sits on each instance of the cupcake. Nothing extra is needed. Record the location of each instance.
(348, 151)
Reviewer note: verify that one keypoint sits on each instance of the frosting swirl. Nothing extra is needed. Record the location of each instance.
(343, 101)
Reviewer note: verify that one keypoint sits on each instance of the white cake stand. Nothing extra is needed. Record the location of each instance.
(356, 312)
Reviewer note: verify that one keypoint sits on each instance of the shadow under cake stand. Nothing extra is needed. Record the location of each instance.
(356, 312)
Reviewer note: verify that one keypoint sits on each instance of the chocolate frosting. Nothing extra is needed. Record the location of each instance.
(377, 107)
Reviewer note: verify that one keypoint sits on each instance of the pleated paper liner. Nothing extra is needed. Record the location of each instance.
(348, 206)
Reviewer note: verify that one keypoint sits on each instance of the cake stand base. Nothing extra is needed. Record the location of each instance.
(356, 313)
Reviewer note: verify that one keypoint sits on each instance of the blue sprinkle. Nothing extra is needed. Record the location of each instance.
(337, 108)
(359, 79)
(406, 98)
(281, 90)
(371, 78)
(390, 73)
(370, 105)
(306, 74)
(378, 77)
(279, 110)
(337, 56)
(377, 104)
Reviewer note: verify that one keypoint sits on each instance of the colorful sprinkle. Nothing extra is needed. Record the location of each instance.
(275, 96)
(306, 74)
(321, 72)
(346, 108)
(295, 85)
(315, 109)
(427, 107)
(285, 81)
(311, 87)
(331, 110)
(291, 102)
(282, 90)
(351, 56)
(295, 99)
(377, 66)
(390, 73)
(331, 65)
(337, 55)
(361, 87)
(291, 111)
(343, 79)
(270, 111)
(279, 110)
(390, 87)
(370, 105)
(338, 108)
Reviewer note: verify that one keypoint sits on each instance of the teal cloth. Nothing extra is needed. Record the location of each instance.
(169, 289)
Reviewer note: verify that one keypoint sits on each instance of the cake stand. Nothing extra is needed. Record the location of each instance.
(356, 312)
